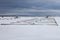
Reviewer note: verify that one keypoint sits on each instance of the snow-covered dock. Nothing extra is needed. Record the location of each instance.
(28, 21)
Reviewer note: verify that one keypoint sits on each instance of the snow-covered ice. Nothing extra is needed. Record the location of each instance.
(27, 21)
(30, 28)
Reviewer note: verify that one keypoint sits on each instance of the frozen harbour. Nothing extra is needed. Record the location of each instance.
(30, 28)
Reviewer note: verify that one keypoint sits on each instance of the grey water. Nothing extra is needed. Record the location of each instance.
(32, 14)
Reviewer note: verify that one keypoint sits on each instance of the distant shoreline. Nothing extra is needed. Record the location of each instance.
(28, 15)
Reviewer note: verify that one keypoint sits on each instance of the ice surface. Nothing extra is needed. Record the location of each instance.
(30, 32)
(27, 21)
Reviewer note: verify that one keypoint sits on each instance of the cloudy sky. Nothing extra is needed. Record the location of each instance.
(29, 7)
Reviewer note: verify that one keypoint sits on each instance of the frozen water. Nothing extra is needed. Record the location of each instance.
(30, 32)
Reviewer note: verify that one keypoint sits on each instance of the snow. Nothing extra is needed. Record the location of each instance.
(43, 31)
(27, 21)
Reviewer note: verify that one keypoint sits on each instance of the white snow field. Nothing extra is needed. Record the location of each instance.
(30, 28)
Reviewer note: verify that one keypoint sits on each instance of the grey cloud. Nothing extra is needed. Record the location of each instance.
(28, 3)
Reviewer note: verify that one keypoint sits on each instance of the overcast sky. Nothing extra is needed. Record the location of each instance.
(12, 6)
(50, 4)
